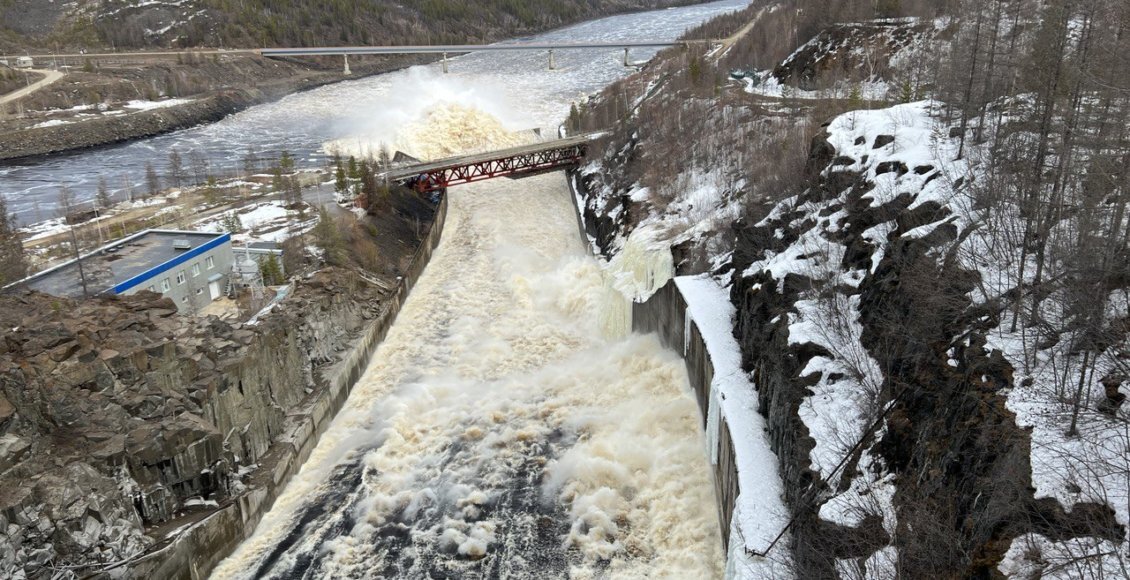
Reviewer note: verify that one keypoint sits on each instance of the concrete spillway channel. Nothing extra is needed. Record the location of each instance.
(509, 425)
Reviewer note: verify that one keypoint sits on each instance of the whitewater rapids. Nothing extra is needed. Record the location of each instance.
(505, 427)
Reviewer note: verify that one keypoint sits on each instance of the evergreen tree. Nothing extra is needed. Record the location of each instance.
(13, 262)
(574, 118)
(277, 182)
(293, 191)
(232, 223)
(368, 185)
(340, 184)
(286, 162)
(327, 238)
(271, 272)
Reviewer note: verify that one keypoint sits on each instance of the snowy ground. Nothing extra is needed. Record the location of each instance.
(268, 221)
(1091, 466)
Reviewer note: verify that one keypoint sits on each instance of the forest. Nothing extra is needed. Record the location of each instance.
(258, 23)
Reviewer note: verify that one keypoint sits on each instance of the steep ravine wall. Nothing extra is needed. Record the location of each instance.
(196, 551)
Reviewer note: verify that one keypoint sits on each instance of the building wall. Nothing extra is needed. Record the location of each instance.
(192, 295)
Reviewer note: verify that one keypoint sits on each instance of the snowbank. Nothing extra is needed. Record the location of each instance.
(760, 514)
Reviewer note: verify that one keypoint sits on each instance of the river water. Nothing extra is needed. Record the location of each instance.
(510, 425)
(517, 88)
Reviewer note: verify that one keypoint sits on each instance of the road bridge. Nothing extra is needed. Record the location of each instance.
(518, 161)
(347, 51)
(445, 50)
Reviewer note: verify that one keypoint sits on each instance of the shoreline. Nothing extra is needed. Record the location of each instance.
(30, 145)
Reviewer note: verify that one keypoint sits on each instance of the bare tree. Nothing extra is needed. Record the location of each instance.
(65, 201)
(175, 173)
(152, 182)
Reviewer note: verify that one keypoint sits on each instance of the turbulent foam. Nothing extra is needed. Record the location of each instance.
(497, 432)
(445, 130)
(451, 129)
(434, 116)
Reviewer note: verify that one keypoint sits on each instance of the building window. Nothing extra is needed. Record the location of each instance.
(209, 263)
(180, 277)
(165, 285)
(152, 288)
(199, 291)
(196, 269)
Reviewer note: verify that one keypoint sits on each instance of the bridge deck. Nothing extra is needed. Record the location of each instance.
(411, 171)
(460, 48)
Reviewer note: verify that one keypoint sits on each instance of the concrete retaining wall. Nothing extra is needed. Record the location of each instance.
(194, 553)
(665, 314)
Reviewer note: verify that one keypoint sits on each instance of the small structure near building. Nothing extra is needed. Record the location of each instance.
(191, 268)
(250, 263)
(24, 62)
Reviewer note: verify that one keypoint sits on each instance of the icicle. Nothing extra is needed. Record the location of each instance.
(735, 553)
(686, 331)
(713, 416)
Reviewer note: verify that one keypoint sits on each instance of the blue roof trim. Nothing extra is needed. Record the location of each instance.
(161, 269)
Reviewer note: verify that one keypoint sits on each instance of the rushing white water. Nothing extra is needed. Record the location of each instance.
(497, 432)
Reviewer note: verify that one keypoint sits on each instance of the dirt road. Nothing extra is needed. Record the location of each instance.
(49, 77)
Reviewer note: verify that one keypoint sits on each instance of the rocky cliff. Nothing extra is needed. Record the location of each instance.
(888, 404)
(123, 424)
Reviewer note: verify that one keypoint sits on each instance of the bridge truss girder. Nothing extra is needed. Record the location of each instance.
(516, 165)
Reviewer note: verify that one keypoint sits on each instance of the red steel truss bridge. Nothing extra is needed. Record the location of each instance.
(514, 162)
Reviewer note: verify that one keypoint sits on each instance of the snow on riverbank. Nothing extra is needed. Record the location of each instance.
(760, 514)
(139, 105)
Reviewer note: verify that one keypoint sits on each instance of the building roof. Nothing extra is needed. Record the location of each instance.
(125, 264)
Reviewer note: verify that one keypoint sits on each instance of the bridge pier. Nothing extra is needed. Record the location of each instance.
(552, 62)
(445, 63)
(347, 71)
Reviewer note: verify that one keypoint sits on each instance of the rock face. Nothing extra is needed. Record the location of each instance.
(118, 411)
(944, 437)
(118, 418)
(847, 49)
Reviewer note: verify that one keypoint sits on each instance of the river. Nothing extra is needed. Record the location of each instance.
(516, 87)
(510, 425)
